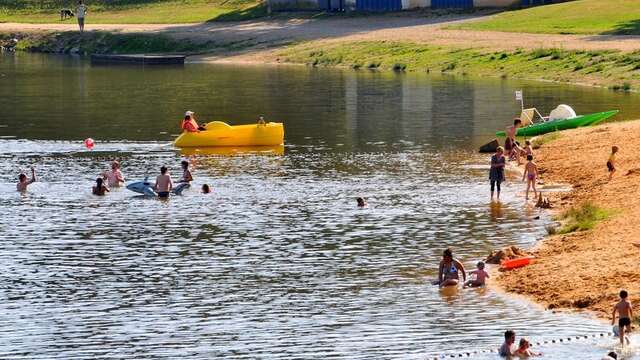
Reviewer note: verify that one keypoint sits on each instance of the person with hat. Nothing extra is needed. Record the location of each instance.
(189, 123)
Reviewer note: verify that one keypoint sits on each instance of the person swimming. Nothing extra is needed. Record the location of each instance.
(99, 188)
(164, 184)
(206, 189)
(361, 202)
(23, 181)
(114, 176)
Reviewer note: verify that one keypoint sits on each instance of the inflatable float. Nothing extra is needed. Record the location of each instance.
(145, 187)
(219, 133)
(233, 150)
(516, 263)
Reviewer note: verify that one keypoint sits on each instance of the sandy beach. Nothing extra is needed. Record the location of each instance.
(586, 270)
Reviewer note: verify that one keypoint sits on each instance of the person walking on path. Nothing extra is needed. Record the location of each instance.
(81, 11)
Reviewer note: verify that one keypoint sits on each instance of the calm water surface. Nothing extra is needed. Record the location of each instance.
(277, 263)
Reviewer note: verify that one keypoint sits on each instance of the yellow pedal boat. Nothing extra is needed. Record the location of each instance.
(219, 133)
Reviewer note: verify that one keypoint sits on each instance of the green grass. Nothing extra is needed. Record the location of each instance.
(105, 43)
(134, 12)
(575, 17)
(538, 141)
(582, 218)
(617, 70)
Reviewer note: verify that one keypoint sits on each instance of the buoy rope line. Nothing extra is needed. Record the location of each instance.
(469, 354)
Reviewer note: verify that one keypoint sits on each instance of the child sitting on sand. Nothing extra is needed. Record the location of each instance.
(23, 181)
(481, 276)
(531, 173)
(625, 314)
(524, 349)
(99, 188)
(611, 163)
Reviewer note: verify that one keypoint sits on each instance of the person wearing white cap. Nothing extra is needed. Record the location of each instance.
(189, 123)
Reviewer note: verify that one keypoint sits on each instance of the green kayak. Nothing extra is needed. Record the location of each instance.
(564, 124)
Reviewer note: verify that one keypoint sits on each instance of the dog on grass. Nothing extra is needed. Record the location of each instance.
(66, 14)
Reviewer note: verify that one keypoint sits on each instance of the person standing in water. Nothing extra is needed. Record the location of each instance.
(23, 181)
(164, 184)
(496, 173)
(99, 188)
(186, 173)
(448, 273)
(530, 173)
(114, 176)
(625, 314)
(81, 11)
(510, 146)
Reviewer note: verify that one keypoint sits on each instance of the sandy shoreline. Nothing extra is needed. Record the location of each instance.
(586, 270)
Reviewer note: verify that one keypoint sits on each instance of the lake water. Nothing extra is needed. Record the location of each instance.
(276, 263)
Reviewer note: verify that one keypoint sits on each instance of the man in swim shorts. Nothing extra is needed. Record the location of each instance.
(164, 184)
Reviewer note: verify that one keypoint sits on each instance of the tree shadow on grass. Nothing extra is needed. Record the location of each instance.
(248, 13)
(626, 28)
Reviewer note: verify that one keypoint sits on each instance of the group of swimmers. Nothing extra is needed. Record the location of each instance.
(114, 178)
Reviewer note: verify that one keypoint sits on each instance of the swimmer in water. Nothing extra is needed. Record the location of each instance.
(23, 181)
(186, 173)
(99, 188)
(449, 269)
(524, 350)
(361, 202)
(114, 176)
(164, 184)
(206, 189)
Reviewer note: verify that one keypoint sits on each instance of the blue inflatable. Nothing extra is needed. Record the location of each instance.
(146, 188)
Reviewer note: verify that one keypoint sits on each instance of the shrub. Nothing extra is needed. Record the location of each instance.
(582, 218)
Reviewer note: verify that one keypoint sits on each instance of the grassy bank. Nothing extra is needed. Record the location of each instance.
(133, 11)
(103, 43)
(576, 17)
(619, 71)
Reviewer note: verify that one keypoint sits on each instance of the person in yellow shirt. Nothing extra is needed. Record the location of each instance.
(611, 163)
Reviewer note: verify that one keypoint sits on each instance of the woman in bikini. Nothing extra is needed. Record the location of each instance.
(449, 269)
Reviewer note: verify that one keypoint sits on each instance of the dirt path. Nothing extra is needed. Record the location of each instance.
(409, 28)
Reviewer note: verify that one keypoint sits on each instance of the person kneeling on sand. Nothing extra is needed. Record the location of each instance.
(524, 350)
(449, 269)
(481, 276)
(625, 314)
(507, 347)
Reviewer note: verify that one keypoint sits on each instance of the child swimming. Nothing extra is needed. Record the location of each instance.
(164, 184)
(481, 276)
(611, 162)
(361, 202)
(99, 188)
(23, 181)
(206, 189)
(524, 349)
(531, 173)
(625, 314)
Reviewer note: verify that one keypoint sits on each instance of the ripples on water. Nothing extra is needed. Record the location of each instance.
(276, 263)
